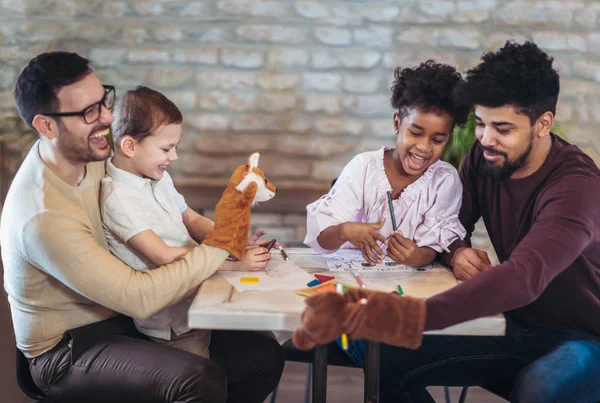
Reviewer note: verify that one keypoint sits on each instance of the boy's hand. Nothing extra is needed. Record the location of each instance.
(365, 237)
(402, 250)
(468, 262)
(254, 239)
(255, 258)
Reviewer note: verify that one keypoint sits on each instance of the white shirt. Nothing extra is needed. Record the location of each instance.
(130, 205)
(426, 211)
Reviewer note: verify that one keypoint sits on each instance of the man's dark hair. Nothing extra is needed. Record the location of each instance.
(517, 75)
(142, 110)
(431, 87)
(44, 75)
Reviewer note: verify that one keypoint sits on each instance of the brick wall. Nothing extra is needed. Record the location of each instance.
(306, 83)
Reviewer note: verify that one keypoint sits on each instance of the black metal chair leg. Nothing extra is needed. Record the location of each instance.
(320, 375)
(463, 395)
(447, 394)
(372, 358)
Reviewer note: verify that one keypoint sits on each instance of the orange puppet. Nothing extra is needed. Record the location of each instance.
(247, 186)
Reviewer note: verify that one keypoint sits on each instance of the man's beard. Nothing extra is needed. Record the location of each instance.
(510, 167)
(77, 150)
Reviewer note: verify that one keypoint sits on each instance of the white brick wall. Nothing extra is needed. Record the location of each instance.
(306, 83)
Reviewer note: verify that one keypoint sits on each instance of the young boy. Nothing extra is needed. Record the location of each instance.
(146, 221)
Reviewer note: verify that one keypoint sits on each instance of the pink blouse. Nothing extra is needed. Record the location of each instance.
(426, 211)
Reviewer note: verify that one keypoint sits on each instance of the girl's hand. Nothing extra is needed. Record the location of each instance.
(402, 250)
(365, 237)
(255, 258)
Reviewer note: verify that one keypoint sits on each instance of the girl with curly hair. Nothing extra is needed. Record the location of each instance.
(407, 185)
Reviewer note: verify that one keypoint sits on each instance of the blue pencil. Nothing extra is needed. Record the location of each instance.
(389, 194)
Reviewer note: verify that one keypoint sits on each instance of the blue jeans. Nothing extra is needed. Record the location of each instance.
(529, 364)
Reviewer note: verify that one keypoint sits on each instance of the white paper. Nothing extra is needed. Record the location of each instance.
(350, 260)
(278, 275)
(422, 281)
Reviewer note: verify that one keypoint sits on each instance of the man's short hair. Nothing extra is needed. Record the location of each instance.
(37, 85)
(142, 110)
(520, 75)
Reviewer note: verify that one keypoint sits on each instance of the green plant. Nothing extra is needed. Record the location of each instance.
(561, 130)
(15, 135)
(111, 142)
(15, 141)
(460, 143)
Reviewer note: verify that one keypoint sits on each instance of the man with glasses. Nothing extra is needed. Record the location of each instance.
(67, 291)
(92, 113)
(98, 149)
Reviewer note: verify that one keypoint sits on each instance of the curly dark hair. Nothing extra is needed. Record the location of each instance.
(431, 87)
(44, 75)
(517, 75)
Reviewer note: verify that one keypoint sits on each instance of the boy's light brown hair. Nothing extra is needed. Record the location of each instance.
(140, 111)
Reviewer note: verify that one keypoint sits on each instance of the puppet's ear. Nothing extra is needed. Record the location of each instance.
(253, 161)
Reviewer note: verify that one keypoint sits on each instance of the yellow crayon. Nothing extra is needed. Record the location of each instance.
(249, 280)
(340, 290)
(344, 341)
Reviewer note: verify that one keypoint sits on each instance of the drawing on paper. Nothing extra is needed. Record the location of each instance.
(352, 260)
(275, 272)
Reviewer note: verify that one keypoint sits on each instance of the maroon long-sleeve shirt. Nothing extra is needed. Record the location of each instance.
(545, 229)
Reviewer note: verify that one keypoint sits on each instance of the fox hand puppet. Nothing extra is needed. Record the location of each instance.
(362, 314)
(247, 186)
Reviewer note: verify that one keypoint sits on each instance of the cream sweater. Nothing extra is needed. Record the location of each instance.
(58, 272)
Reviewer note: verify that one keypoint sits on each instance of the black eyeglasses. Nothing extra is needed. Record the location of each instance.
(92, 112)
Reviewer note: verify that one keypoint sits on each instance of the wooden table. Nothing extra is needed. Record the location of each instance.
(218, 305)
